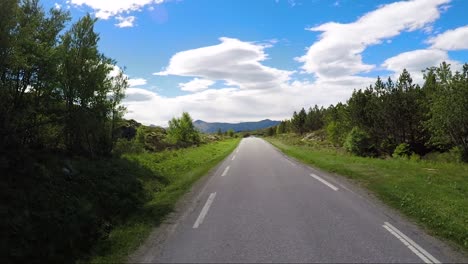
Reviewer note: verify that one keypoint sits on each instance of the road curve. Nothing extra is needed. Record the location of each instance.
(260, 206)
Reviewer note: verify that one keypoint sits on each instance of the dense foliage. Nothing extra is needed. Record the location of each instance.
(182, 132)
(60, 117)
(387, 115)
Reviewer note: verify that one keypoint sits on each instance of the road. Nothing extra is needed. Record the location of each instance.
(260, 206)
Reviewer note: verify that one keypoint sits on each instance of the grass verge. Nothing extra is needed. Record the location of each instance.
(172, 175)
(435, 195)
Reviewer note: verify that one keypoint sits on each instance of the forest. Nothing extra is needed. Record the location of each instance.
(395, 118)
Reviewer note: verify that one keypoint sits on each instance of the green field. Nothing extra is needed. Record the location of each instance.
(435, 195)
(173, 173)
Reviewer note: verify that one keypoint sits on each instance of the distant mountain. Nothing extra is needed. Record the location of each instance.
(207, 127)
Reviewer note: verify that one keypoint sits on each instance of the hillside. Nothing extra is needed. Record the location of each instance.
(207, 127)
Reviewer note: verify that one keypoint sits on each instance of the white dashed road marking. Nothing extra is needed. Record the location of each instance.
(333, 187)
(204, 211)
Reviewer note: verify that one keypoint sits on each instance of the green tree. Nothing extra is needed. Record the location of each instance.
(337, 123)
(182, 132)
(298, 121)
(86, 84)
(281, 128)
(314, 119)
(448, 121)
(230, 132)
(271, 131)
(358, 142)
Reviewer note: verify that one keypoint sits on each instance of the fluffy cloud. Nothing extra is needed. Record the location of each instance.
(125, 21)
(136, 82)
(196, 85)
(107, 8)
(236, 62)
(417, 60)
(338, 51)
(456, 39)
(235, 104)
(255, 91)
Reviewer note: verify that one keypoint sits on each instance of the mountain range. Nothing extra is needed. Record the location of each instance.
(207, 127)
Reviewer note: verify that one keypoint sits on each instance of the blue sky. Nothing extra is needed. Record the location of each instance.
(244, 60)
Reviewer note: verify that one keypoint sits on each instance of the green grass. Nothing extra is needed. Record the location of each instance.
(435, 195)
(173, 173)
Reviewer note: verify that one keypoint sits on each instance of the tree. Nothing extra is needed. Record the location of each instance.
(230, 132)
(448, 121)
(298, 121)
(182, 132)
(271, 131)
(358, 142)
(314, 119)
(281, 128)
(338, 123)
(86, 84)
(28, 70)
(219, 132)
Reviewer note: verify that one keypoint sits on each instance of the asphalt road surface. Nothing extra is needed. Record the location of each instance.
(260, 206)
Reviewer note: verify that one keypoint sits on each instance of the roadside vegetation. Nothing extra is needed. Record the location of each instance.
(77, 180)
(165, 177)
(399, 119)
(408, 144)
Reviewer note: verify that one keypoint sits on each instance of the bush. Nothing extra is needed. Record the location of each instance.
(415, 157)
(127, 146)
(454, 155)
(402, 151)
(65, 206)
(358, 142)
(182, 132)
(336, 133)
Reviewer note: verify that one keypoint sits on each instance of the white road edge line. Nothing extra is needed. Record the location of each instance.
(415, 251)
(412, 243)
(225, 171)
(204, 211)
(237, 151)
(333, 187)
(233, 157)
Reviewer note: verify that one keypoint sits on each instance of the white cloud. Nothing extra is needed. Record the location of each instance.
(236, 105)
(125, 21)
(417, 60)
(196, 85)
(259, 91)
(338, 50)
(107, 8)
(236, 62)
(456, 39)
(136, 82)
(265, 92)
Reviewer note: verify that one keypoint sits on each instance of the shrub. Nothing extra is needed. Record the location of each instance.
(127, 146)
(182, 132)
(454, 155)
(358, 142)
(415, 157)
(65, 206)
(337, 132)
(402, 151)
